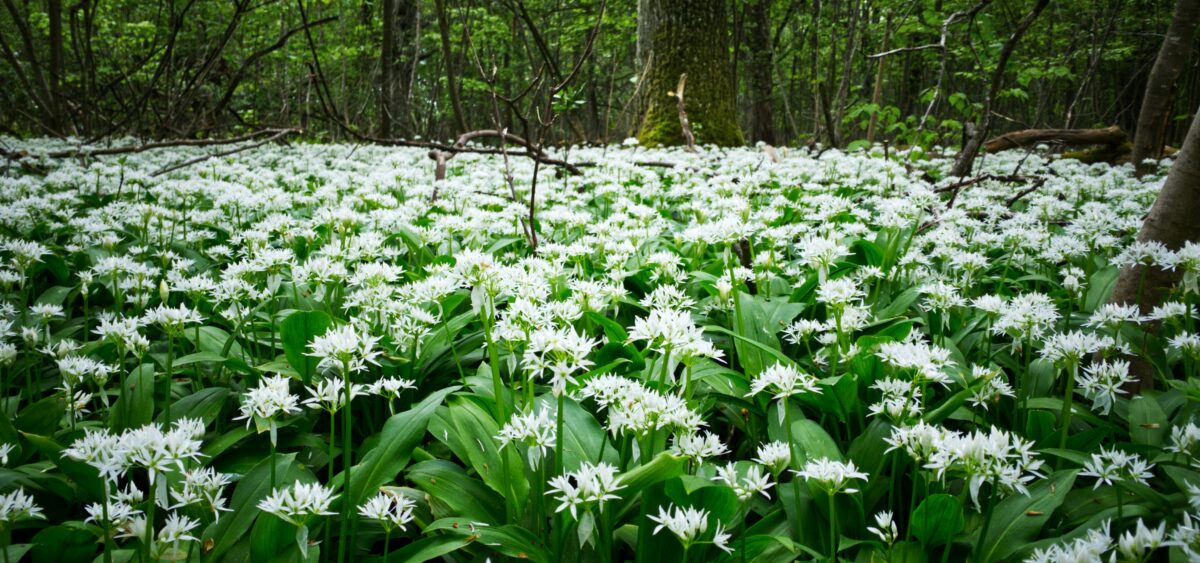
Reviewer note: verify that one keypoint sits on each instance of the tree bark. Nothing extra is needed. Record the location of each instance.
(1171, 221)
(460, 119)
(691, 38)
(1172, 57)
(1107, 136)
(877, 93)
(54, 7)
(387, 60)
(761, 69)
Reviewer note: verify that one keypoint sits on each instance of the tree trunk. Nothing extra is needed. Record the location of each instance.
(387, 58)
(460, 119)
(1156, 103)
(760, 70)
(54, 7)
(843, 91)
(966, 158)
(646, 23)
(1171, 221)
(877, 93)
(691, 38)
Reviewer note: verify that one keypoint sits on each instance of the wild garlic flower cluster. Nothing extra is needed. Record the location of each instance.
(392, 510)
(535, 430)
(586, 488)
(634, 408)
(995, 457)
(146, 447)
(689, 526)
(300, 502)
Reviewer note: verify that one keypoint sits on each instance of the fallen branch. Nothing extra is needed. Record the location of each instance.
(109, 151)
(1107, 136)
(1036, 184)
(278, 135)
(957, 187)
(441, 153)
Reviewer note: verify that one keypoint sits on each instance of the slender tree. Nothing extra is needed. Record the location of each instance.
(690, 38)
(966, 158)
(1173, 56)
(760, 70)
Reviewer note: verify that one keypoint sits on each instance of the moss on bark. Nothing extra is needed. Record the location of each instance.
(690, 37)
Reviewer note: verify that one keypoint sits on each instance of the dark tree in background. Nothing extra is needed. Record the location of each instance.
(1172, 57)
(690, 37)
(759, 71)
(785, 73)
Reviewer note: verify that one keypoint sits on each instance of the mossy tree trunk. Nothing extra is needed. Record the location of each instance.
(690, 37)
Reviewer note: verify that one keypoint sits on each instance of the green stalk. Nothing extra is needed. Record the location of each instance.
(329, 470)
(107, 530)
(170, 375)
(1068, 398)
(987, 520)
(787, 423)
(149, 536)
(833, 536)
(497, 380)
(346, 507)
(387, 541)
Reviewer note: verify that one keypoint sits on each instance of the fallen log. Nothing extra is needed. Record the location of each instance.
(1107, 136)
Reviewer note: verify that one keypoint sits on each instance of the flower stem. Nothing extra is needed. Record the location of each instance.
(833, 535)
(346, 500)
(1068, 397)
(987, 520)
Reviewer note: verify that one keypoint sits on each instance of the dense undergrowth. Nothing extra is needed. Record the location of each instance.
(732, 359)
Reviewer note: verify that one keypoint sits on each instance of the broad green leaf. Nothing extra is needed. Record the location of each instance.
(295, 332)
(1147, 421)
(429, 548)
(204, 405)
(937, 520)
(1017, 519)
(1100, 286)
(401, 434)
(511, 541)
(135, 405)
(454, 494)
(85, 477)
(252, 488)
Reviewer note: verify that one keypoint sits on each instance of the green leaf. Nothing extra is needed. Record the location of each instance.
(1100, 286)
(664, 466)
(937, 520)
(43, 416)
(1017, 519)
(585, 440)
(295, 332)
(63, 543)
(1147, 421)
(204, 405)
(813, 442)
(135, 405)
(198, 357)
(429, 548)
(512, 541)
(455, 493)
(84, 476)
(400, 436)
(252, 488)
